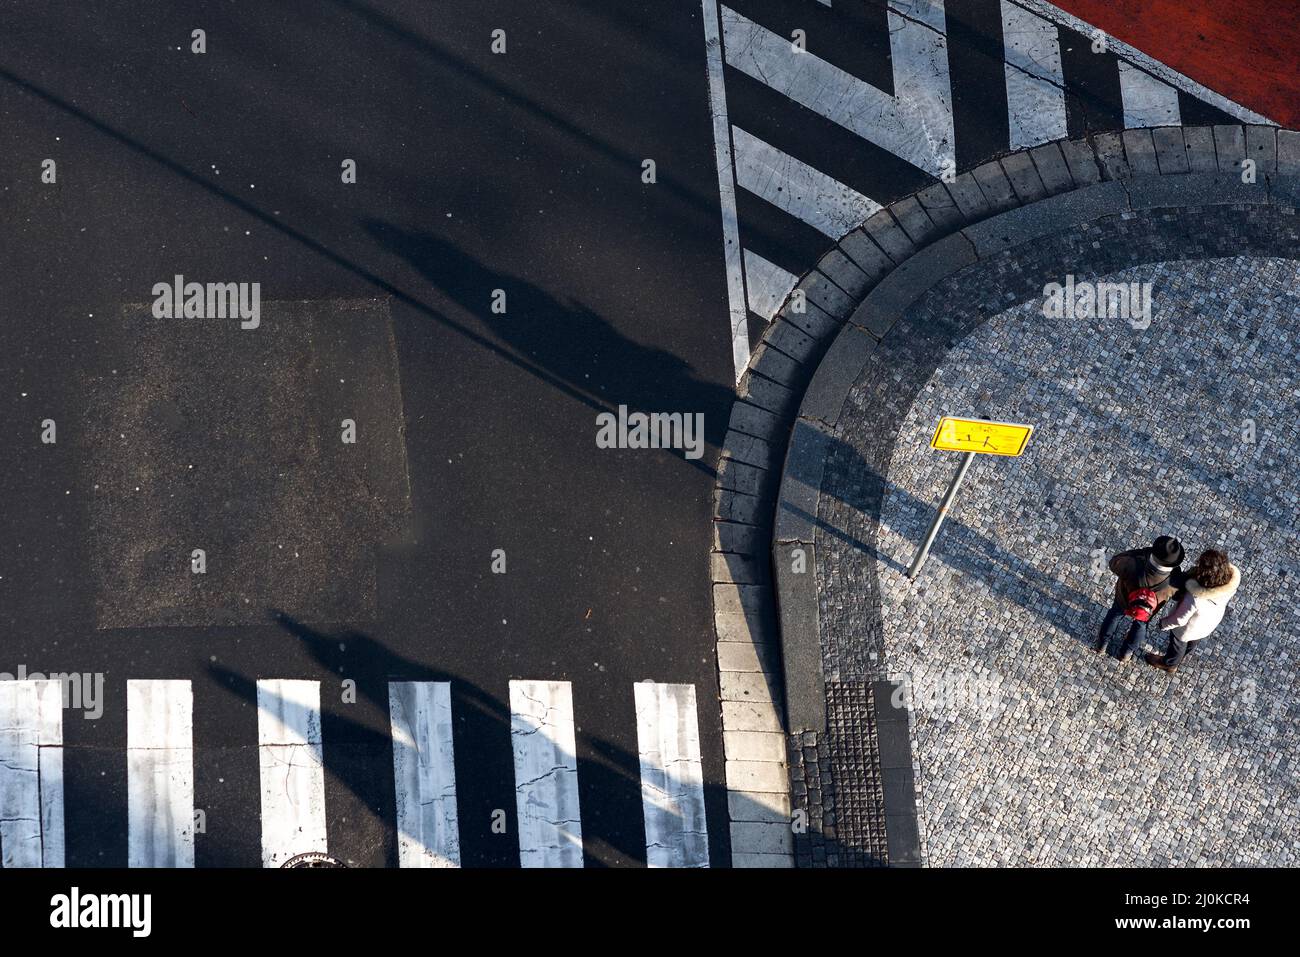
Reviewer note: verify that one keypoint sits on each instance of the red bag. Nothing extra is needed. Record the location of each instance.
(1141, 604)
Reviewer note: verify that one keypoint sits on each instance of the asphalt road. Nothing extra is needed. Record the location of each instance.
(475, 172)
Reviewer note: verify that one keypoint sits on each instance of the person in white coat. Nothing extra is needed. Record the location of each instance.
(1210, 584)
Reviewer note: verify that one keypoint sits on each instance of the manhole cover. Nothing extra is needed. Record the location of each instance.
(313, 859)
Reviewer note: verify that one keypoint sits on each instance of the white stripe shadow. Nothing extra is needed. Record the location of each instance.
(768, 284)
(672, 777)
(1035, 79)
(292, 769)
(546, 774)
(915, 124)
(160, 774)
(819, 200)
(31, 774)
(1154, 67)
(424, 773)
(1147, 100)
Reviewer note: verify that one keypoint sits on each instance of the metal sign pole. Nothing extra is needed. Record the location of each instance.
(946, 504)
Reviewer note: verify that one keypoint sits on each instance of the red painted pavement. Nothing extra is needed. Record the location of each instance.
(1248, 50)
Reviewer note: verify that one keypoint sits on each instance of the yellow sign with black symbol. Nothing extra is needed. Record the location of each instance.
(977, 435)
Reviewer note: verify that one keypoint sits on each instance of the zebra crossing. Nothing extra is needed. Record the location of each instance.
(292, 750)
(826, 110)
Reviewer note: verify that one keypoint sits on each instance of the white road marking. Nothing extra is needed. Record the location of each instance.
(428, 833)
(1035, 81)
(160, 774)
(31, 774)
(1135, 56)
(819, 200)
(672, 778)
(768, 284)
(292, 765)
(546, 774)
(915, 124)
(726, 190)
(1147, 100)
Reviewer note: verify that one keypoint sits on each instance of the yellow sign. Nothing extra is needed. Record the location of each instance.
(976, 435)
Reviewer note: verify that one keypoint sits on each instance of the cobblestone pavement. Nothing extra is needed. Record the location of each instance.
(1028, 749)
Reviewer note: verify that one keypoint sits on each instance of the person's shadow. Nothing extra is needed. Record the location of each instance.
(485, 776)
(573, 344)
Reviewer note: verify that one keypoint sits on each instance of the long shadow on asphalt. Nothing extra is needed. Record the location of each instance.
(646, 372)
(484, 776)
(567, 339)
(493, 85)
(308, 242)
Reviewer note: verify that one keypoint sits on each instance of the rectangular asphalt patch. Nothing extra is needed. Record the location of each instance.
(199, 434)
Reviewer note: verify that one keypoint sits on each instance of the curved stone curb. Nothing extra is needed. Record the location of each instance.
(800, 374)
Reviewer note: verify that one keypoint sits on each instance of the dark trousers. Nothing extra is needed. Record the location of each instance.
(1178, 650)
(1114, 625)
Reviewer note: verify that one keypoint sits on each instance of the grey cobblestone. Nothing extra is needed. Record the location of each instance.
(866, 254)
(826, 295)
(1047, 754)
(1171, 150)
(939, 206)
(768, 394)
(812, 321)
(911, 215)
(1052, 169)
(790, 340)
(857, 650)
(842, 271)
(1288, 152)
(777, 366)
(1230, 147)
(1140, 152)
(1024, 177)
(995, 186)
(1082, 161)
(1261, 146)
(969, 198)
(755, 421)
(889, 236)
(1110, 155)
(1201, 156)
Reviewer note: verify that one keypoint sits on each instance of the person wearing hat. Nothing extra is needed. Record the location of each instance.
(1145, 578)
(1211, 583)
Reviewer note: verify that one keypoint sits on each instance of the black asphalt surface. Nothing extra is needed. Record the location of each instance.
(475, 172)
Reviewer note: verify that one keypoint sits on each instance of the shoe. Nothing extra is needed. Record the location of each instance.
(1158, 661)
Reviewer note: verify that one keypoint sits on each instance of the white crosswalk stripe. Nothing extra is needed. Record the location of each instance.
(424, 773)
(914, 121)
(821, 201)
(726, 187)
(672, 777)
(1136, 57)
(291, 759)
(31, 773)
(1147, 100)
(161, 755)
(1035, 81)
(546, 774)
(160, 773)
(768, 284)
